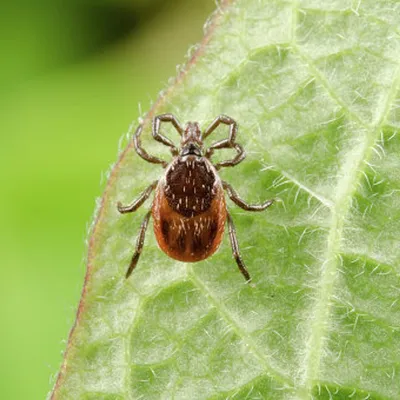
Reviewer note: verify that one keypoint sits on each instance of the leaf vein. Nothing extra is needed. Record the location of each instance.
(329, 268)
(224, 313)
(319, 77)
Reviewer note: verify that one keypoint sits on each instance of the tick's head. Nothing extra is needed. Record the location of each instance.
(191, 143)
(191, 149)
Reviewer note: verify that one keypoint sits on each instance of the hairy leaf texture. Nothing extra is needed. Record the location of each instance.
(315, 88)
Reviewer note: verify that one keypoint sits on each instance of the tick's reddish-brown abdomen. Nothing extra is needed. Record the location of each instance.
(189, 210)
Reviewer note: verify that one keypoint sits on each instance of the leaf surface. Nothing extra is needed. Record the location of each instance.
(314, 86)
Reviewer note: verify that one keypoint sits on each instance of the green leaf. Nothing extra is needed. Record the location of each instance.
(314, 86)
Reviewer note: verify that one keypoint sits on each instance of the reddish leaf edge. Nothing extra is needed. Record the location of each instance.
(211, 26)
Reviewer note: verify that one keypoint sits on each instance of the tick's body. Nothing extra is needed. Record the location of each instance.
(189, 209)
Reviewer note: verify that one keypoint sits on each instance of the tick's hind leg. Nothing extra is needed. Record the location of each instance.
(235, 249)
(139, 245)
(138, 202)
(233, 195)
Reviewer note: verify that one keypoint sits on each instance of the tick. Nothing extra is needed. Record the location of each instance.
(189, 209)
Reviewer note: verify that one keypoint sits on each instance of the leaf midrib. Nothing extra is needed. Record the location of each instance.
(339, 209)
(346, 188)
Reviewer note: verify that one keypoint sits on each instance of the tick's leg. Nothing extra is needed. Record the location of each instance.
(161, 138)
(139, 245)
(240, 156)
(235, 249)
(138, 202)
(142, 152)
(233, 195)
(222, 119)
(226, 143)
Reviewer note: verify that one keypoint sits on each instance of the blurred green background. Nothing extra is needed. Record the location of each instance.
(72, 78)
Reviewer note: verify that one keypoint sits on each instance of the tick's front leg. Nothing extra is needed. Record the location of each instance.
(138, 202)
(223, 119)
(142, 152)
(161, 138)
(233, 195)
(225, 143)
